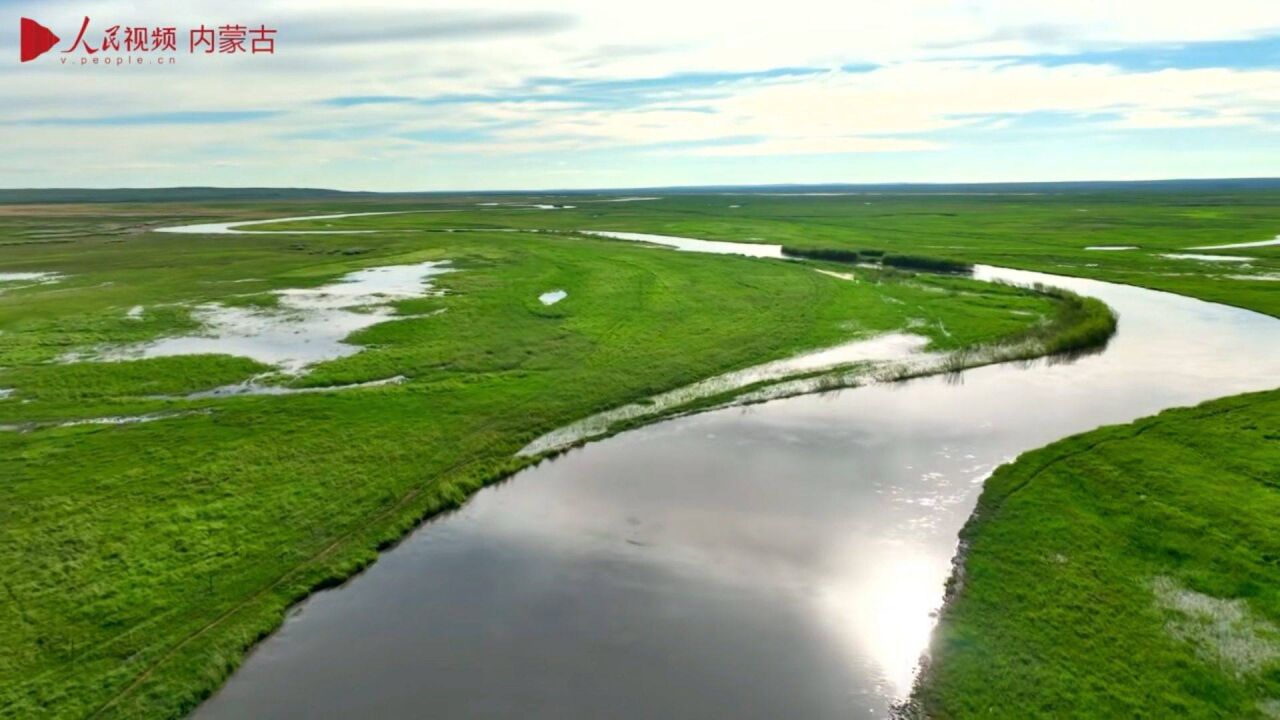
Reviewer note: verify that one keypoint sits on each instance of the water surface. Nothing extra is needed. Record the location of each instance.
(306, 326)
(234, 228)
(20, 280)
(715, 247)
(551, 297)
(1207, 258)
(1231, 246)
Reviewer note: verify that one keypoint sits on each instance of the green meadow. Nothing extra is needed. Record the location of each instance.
(140, 561)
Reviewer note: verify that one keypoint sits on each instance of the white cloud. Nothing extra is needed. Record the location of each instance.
(864, 111)
(931, 80)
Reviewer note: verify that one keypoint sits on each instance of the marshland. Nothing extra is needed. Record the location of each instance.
(144, 562)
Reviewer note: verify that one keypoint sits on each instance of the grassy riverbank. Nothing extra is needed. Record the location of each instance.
(140, 561)
(1126, 572)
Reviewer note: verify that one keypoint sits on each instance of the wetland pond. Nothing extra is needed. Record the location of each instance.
(301, 327)
(551, 297)
(777, 560)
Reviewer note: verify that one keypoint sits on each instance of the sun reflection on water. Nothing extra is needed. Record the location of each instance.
(882, 608)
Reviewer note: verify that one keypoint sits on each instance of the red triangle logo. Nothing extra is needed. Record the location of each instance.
(36, 39)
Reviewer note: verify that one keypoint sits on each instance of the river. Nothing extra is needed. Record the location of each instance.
(779, 560)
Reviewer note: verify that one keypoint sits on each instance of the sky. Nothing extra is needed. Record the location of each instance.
(479, 95)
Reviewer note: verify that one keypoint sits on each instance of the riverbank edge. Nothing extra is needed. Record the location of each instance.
(183, 675)
(924, 703)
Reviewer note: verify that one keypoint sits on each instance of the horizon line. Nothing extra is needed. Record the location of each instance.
(651, 188)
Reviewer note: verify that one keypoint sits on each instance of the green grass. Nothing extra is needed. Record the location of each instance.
(140, 562)
(1126, 572)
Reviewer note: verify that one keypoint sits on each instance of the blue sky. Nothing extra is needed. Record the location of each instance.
(509, 95)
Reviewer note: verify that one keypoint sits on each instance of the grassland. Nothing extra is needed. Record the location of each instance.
(1126, 572)
(139, 562)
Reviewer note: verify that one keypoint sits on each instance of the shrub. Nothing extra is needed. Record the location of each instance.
(831, 254)
(927, 264)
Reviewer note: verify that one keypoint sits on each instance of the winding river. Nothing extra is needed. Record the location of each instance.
(778, 560)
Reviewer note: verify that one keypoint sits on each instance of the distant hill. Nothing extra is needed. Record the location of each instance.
(176, 194)
(215, 194)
